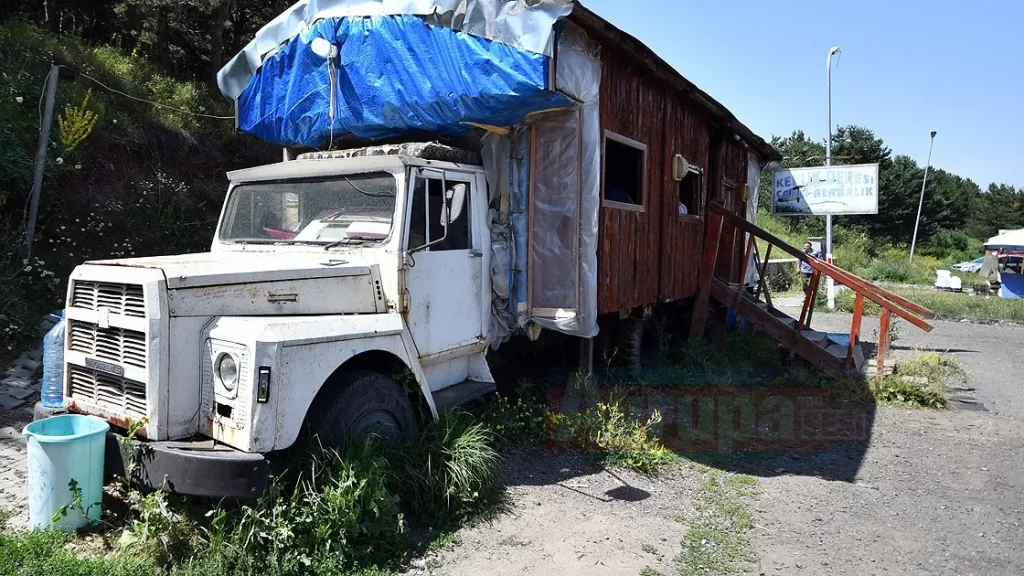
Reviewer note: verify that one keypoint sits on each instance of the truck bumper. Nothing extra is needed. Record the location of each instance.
(192, 468)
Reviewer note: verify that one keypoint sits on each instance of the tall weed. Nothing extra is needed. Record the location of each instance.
(451, 471)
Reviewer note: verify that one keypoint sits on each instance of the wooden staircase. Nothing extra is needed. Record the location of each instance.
(835, 354)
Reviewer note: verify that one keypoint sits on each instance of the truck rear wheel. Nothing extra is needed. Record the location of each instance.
(365, 404)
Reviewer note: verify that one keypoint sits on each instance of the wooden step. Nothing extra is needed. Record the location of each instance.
(839, 351)
(462, 394)
(815, 336)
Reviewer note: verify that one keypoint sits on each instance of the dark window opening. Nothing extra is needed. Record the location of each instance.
(223, 410)
(428, 217)
(689, 194)
(623, 173)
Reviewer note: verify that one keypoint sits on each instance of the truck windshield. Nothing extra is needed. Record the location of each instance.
(357, 209)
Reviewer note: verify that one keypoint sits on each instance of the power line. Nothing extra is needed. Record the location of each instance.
(126, 95)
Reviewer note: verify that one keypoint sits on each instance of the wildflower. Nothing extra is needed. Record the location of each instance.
(78, 166)
(19, 99)
(60, 160)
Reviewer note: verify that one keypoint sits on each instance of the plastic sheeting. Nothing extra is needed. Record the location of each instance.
(524, 24)
(567, 197)
(394, 75)
(496, 153)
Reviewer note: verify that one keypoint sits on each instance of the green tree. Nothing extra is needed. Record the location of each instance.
(1001, 207)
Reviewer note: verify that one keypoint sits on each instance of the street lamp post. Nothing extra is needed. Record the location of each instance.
(920, 204)
(830, 286)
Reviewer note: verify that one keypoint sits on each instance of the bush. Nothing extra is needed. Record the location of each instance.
(517, 422)
(616, 433)
(946, 242)
(339, 512)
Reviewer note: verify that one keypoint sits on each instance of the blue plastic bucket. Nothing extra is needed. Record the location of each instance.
(65, 459)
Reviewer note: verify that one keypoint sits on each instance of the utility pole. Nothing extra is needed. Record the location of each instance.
(44, 140)
(830, 285)
(920, 204)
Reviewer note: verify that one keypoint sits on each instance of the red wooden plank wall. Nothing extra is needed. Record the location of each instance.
(650, 256)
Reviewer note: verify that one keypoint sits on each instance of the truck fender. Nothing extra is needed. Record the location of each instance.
(307, 367)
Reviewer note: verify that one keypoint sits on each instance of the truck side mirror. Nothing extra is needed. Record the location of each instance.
(455, 201)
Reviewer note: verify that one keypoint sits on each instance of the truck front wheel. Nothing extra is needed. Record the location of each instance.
(364, 404)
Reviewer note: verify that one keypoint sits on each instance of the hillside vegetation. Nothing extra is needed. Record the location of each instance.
(123, 177)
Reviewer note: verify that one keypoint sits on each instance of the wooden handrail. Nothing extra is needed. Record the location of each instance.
(894, 303)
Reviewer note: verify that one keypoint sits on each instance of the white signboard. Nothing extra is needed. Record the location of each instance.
(825, 190)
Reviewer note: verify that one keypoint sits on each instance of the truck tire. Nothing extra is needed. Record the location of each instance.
(638, 342)
(631, 342)
(364, 404)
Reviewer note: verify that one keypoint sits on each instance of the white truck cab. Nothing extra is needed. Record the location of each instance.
(328, 276)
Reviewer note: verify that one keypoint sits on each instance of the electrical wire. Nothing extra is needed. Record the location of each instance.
(136, 98)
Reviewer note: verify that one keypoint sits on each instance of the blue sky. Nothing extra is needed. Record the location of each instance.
(908, 67)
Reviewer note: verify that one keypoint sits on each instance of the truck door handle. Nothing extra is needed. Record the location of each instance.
(476, 254)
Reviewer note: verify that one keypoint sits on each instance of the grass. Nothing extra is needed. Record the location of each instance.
(329, 513)
(716, 542)
(948, 305)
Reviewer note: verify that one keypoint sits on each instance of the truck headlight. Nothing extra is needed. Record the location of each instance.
(227, 371)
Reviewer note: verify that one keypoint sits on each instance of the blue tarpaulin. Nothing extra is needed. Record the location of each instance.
(395, 75)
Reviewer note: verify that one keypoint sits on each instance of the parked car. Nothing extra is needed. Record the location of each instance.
(973, 267)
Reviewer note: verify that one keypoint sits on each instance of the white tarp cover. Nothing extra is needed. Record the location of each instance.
(567, 196)
(1012, 241)
(524, 24)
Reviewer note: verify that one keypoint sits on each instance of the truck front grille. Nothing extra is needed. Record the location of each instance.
(108, 391)
(124, 348)
(123, 299)
(120, 345)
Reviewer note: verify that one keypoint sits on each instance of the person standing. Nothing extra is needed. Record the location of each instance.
(806, 270)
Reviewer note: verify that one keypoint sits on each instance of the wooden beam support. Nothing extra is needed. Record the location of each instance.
(883, 343)
(858, 313)
(743, 270)
(700, 312)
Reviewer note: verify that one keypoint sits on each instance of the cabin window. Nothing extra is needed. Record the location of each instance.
(625, 173)
(689, 195)
(428, 217)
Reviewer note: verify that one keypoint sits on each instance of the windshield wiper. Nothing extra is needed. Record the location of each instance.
(345, 242)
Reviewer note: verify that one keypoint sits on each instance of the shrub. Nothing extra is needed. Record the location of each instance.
(341, 511)
(893, 390)
(619, 435)
(517, 421)
(946, 243)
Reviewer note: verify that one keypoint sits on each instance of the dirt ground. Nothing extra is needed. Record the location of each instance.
(930, 492)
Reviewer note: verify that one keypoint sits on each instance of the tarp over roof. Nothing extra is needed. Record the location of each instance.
(375, 69)
(523, 24)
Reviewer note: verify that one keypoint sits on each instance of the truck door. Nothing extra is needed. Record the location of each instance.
(446, 281)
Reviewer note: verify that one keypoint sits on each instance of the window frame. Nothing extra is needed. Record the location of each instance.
(445, 177)
(642, 148)
(696, 212)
